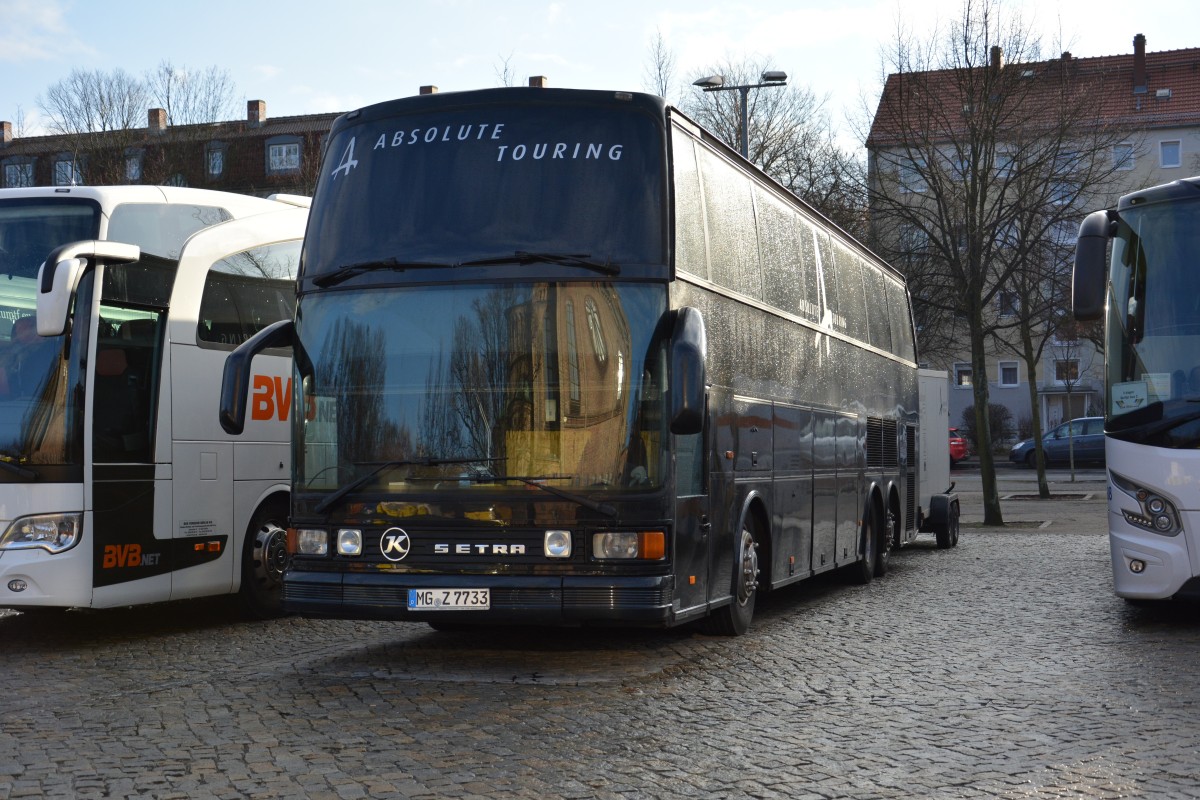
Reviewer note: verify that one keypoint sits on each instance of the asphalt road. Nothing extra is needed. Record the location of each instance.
(1002, 668)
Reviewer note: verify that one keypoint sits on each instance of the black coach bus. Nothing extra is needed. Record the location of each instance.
(565, 358)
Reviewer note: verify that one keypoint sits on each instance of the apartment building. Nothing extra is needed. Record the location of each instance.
(1149, 105)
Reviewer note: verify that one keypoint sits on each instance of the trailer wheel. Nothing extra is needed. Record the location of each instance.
(947, 535)
(264, 556)
(734, 619)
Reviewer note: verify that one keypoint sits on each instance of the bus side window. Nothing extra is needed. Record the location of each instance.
(247, 291)
(689, 465)
(125, 387)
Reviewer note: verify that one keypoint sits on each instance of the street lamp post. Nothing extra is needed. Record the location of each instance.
(716, 83)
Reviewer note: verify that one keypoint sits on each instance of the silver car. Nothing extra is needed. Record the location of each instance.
(1085, 435)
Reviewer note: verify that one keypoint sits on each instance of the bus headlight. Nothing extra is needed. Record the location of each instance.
(624, 545)
(557, 544)
(53, 533)
(349, 542)
(1155, 512)
(308, 542)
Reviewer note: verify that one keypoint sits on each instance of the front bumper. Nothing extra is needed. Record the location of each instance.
(530, 600)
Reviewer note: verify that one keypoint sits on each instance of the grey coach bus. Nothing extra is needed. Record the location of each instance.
(563, 357)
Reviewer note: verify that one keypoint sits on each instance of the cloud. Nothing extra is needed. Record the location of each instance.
(34, 30)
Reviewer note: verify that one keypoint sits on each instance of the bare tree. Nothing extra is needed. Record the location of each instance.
(789, 136)
(659, 73)
(504, 71)
(192, 96)
(973, 163)
(101, 109)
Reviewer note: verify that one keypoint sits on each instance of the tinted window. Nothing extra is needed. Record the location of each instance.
(879, 324)
(690, 255)
(732, 237)
(789, 269)
(423, 180)
(247, 291)
(851, 301)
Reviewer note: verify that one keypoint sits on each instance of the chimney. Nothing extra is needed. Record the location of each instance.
(997, 55)
(431, 89)
(539, 82)
(5, 133)
(256, 113)
(1139, 64)
(1066, 56)
(156, 120)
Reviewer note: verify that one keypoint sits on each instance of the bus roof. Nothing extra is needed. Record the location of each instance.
(239, 205)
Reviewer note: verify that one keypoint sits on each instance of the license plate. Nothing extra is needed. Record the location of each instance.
(449, 599)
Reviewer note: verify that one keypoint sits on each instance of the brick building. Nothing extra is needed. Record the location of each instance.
(1153, 96)
(257, 155)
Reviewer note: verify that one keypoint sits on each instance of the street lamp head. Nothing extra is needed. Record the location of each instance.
(711, 82)
(774, 76)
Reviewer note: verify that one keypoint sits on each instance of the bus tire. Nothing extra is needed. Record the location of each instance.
(863, 570)
(947, 535)
(264, 556)
(734, 619)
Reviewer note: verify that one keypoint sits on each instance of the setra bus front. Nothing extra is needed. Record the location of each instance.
(488, 365)
(1150, 297)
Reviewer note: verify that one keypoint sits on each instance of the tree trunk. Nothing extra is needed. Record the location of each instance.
(983, 426)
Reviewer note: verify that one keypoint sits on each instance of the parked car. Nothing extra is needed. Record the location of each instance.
(958, 447)
(1085, 434)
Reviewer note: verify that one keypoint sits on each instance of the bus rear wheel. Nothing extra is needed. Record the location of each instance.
(264, 557)
(863, 570)
(734, 619)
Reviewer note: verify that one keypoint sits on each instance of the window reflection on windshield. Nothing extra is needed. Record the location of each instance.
(1154, 320)
(556, 382)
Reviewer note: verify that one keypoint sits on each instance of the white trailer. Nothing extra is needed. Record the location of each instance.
(939, 511)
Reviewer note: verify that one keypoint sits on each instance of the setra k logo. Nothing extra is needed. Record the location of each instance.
(394, 544)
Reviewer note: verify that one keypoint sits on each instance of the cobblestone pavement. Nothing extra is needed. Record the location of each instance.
(1002, 668)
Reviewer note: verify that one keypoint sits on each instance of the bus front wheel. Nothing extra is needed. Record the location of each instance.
(734, 619)
(264, 556)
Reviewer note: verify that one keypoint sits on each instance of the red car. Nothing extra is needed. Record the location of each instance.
(958, 447)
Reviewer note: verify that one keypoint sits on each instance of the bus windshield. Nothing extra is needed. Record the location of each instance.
(1154, 326)
(35, 427)
(481, 389)
(448, 186)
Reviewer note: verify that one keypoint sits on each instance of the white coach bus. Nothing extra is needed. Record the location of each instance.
(118, 306)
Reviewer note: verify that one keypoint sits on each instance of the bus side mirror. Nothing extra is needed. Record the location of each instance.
(687, 378)
(1088, 281)
(59, 276)
(235, 381)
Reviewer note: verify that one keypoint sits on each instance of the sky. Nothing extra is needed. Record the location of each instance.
(305, 57)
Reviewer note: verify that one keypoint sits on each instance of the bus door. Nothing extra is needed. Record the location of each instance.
(851, 441)
(825, 491)
(693, 527)
(131, 494)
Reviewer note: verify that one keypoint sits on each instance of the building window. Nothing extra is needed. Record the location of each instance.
(1009, 375)
(599, 349)
(1066, 370)
(1006, 162)
(1169, 154)
(1010, 304)
(1123, 156)
(214, 159)
(67, 172)
(176, 180)
(18, 174)
(283, 155)
(962, 374)
(133, 166)
(912, 176)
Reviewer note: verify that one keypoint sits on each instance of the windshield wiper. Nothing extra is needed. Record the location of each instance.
(348, 271)
(536, 481)
(362, 481)
(10, 463)
(563, 259)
